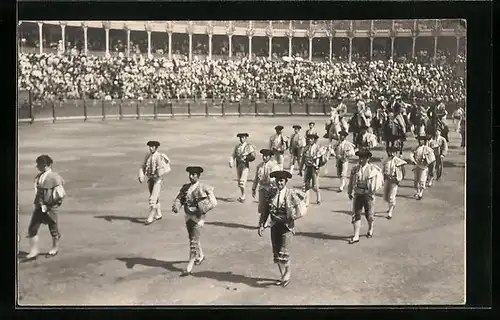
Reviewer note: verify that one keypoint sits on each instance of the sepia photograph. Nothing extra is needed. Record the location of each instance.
(241, 162)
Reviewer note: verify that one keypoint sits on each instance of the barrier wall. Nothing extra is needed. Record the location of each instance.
(158, 109)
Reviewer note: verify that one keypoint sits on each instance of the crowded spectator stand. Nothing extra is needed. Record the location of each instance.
(71, 74)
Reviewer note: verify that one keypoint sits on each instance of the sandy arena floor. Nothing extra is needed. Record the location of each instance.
(108, 257)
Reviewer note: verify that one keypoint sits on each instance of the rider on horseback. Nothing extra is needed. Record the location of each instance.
(437, 115)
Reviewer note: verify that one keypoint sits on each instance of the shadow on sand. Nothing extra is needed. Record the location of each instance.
(321, 235)
(231, 225)
(110, 218)
(148, 262)
(216, 275)
(449, 164)
(224, 199)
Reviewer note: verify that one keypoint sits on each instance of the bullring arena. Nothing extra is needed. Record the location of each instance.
(109, 257)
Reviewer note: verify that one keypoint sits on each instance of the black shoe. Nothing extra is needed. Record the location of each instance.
(285, 283)
(185, 273)
(369, 235)
(29, 259)
(353, 241)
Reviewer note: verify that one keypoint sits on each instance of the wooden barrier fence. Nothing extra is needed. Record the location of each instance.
(29, 112)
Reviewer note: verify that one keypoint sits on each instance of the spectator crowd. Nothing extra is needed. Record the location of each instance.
(50, 76)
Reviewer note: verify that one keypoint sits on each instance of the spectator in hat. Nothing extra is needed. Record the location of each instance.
(365, 180)
(243, 154)
(279, 144)
(263, 179)
(197, 199)
(284, 207)
(422, 156)
(310, 162)
(153, 168)
(393, 175)
(343, 152)
(49, 196)
(297, 144)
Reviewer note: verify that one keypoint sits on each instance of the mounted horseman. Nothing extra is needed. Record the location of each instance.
(437, 117)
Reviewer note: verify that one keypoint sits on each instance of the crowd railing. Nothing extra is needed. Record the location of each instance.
(86, 109)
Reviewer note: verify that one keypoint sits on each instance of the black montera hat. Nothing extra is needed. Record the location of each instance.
(242, 134)
(279, 175)
(364, 153)
(44, 160)
(153, 143)
(267, 152)
(279, 128)
(424, 137)
(296, 126)
(194, 169)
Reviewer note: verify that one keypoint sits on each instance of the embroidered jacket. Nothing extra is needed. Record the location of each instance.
(243, 153)
(423, 156)
(367, 141)
(365, 180)
(49, 189)
(154, 165)
(297, 142)
(262, 175)
(393, 169)
(278, 142)
(311, 155)
(439, 145)
(192, 195)
(344, 150)
(285, 206)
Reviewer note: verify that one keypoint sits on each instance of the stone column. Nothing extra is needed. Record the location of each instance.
(190, 53)
(270, 47)
(170, 45)
(250, 47)
(63, 36)
(40, 36)
(128, 42)
(210, 47)
(310, 48)
(107, 42)
(413, 44)
(149, 43)
(330, 55)
(289, 46)
(371, 48)
(435, 48)
(85, 41)
(350, 49)
(392, 48)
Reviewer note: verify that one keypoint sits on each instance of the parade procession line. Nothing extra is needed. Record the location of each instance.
(107, 256)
